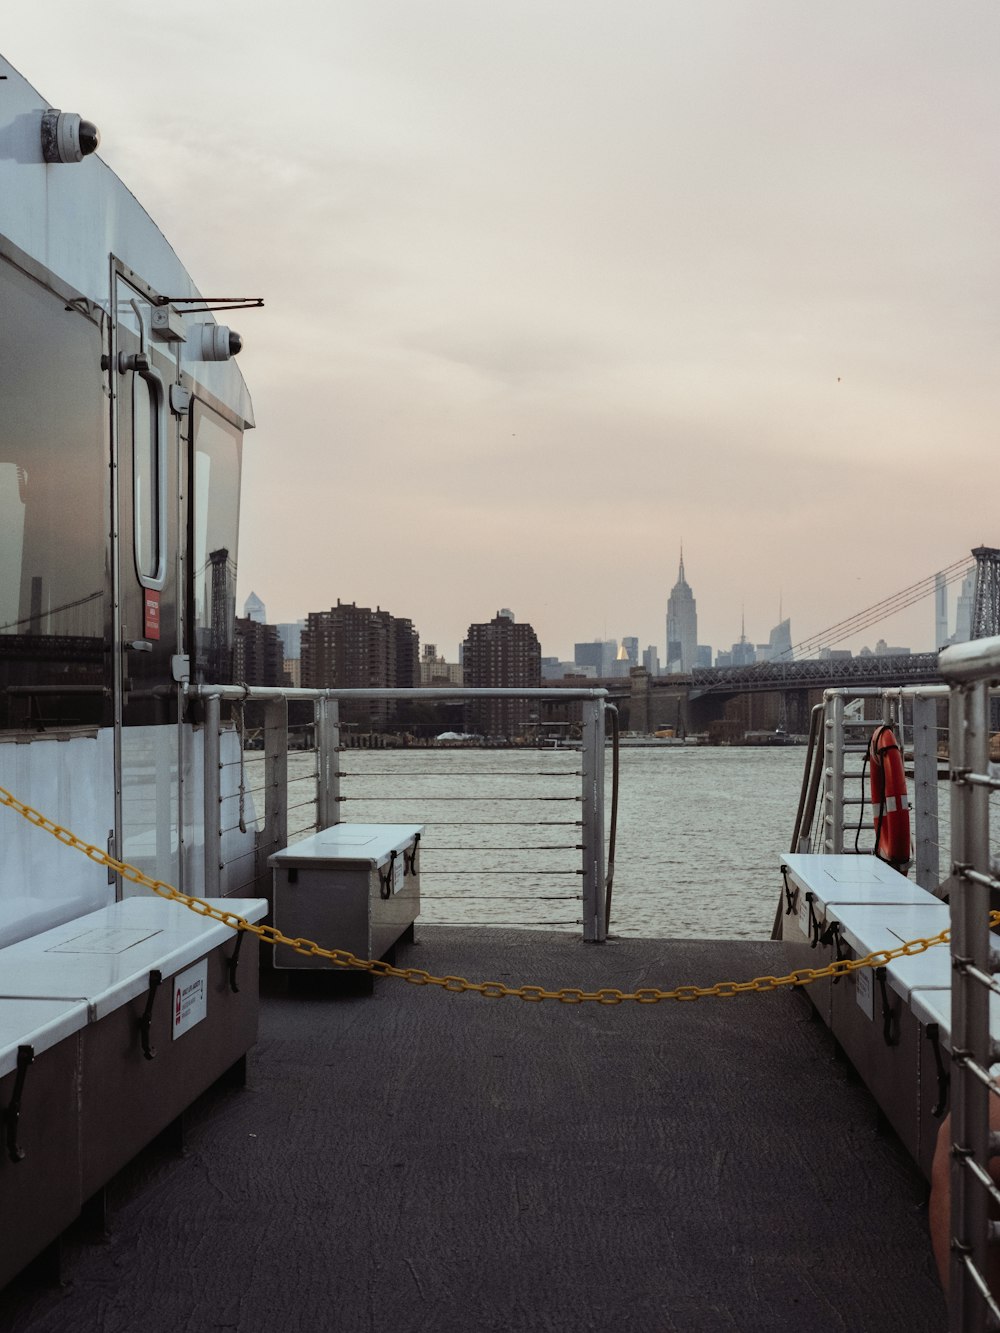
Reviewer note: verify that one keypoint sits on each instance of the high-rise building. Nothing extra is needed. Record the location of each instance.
(940, 610)
(258, 655)
(254, 609)
(963, 609)
(291, 636)
(290, 633)
(354, 647)
(501, 654)
(651, 660)
(779, 645)
(435, 671)
(682, 625)
(601, 654)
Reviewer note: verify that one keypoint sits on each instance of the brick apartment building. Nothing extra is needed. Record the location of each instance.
(504, 654)
(258, 654)
(354, 647)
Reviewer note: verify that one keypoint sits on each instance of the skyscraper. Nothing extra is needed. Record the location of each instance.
(255, 610)
(940, 610)
(682, 625)
(963, 610)
(504, 654)
(600, 654)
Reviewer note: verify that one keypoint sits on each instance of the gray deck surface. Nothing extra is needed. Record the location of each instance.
(424, 1161)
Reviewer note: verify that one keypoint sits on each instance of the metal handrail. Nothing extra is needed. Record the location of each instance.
(326, 702)
(969, 670)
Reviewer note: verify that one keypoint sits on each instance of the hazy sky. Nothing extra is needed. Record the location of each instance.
(552, 286)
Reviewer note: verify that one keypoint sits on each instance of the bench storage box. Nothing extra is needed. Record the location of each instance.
(40, 1192)
(352, 886)
(131, 1013)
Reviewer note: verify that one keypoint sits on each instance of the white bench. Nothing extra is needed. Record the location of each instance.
(110, 1026)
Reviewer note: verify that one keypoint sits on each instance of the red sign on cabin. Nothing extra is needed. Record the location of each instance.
(151, 614)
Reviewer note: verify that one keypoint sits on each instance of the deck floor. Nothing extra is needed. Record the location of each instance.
(423, 1161)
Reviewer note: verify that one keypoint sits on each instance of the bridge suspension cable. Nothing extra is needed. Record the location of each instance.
(862, 620)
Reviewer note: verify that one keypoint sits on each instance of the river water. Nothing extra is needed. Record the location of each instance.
(700, 833)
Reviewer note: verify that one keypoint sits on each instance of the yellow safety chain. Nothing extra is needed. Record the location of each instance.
(723, 990)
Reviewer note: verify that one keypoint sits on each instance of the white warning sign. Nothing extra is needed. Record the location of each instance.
(190, 997)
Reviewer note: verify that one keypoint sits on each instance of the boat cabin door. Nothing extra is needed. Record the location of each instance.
(147, 476)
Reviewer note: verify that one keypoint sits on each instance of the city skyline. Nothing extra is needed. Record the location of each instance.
(955, 597)
(720, 272)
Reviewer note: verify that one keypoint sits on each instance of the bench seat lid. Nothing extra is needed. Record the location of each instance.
(40, 1024)
(105, 957)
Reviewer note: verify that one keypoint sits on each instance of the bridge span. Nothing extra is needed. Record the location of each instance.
(705, 698)
(817, 673)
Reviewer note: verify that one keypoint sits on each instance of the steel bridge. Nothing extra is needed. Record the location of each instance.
(809, 674)
(815, 673)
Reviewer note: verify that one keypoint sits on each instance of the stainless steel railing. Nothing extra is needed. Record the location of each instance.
(279, 804)
(835, 799)
(974, 888)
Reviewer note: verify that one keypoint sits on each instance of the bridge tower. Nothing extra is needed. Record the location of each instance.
(986, 604)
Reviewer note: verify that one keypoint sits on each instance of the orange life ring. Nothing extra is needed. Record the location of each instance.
(890, 803)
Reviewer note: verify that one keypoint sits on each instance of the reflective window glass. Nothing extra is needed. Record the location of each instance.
(53, 507)
(147, 475)
(214, 518)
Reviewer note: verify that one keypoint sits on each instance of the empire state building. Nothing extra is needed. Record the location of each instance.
(682, 625)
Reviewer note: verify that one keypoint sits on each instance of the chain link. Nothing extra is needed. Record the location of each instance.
(726, 990)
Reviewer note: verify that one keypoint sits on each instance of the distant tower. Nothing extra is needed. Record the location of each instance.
(986, 606)
(255, 610)
(682, 625)
(940, 610)
(780, 642)
(963, 609)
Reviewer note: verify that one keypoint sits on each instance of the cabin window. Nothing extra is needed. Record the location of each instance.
(213, 527)
(53, 509)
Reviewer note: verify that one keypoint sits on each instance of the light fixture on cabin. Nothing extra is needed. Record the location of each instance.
(66, 137)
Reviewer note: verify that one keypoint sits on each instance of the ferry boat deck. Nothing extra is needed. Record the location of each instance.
(423, 1160)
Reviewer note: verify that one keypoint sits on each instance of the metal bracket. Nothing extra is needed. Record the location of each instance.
(25, 1057)
(146, 1022)
(385, 881)
(791, 895)
(410, 857)
(890, 1018)
(933, 1035)
(832, 936)
(815, 924)
(233, 962)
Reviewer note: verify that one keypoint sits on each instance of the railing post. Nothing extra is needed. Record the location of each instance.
(970, 902)
(275, 832)
(327, 763)
(925, 793)
(212, 797)
(594, 930)
(833, 794)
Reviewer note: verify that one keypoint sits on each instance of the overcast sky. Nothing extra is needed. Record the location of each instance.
(551, 287)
